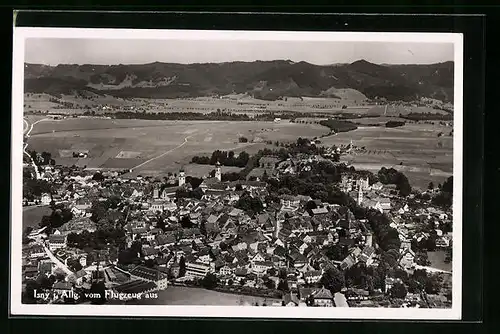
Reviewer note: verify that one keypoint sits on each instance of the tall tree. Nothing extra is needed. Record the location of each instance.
(182, 266)
(333, 279)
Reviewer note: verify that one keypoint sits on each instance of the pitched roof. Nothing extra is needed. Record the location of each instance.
(323, 293)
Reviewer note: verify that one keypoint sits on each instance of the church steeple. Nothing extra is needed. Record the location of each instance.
(218, 173)
(182, 177)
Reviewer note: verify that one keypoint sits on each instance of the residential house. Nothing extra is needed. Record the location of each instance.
(407, 260)
(261, 267)
(290, 300)
(289, 203)
(323, 298)
(367, 254)
(36, 252)
(348, 262)
(45, 199)
(57, 242)
(312, 277)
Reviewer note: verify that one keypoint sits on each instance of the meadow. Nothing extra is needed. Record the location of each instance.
(156, 146)
(414, 149)
(349, 101)
(178, 295)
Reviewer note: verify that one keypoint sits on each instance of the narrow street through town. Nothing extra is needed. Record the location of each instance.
(56, 261)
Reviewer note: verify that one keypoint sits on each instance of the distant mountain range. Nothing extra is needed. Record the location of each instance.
(267, 80)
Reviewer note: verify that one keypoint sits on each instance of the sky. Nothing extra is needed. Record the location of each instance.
(54, 51)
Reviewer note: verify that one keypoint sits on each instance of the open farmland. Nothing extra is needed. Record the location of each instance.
(155, 146)
(414, 149)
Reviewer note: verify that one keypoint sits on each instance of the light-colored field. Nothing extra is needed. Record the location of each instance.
(414, 149)
(159, 145)
(176, 295)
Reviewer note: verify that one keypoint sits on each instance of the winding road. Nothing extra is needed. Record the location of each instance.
(57, 262)
(27, 128)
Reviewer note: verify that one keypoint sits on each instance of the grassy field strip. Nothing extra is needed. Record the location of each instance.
(165, 153)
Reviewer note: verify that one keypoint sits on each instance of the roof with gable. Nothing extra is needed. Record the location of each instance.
(323, 293)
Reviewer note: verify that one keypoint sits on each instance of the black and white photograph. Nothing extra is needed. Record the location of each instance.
(260, 174)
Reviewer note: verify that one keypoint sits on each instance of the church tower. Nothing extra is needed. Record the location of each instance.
(182, 177)
(360, 196)
(218, 173)
(156, 192)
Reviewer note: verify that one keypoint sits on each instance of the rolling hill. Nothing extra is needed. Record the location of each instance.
(267, 80)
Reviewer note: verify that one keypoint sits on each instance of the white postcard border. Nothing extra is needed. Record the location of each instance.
(17, 308)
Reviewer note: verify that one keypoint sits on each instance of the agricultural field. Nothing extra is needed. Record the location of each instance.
(156, 146)
(414, 149)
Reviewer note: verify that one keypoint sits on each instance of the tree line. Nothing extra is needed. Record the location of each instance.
(338, 126)
(225, 158)
(392, 176)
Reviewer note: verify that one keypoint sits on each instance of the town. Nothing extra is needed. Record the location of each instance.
(300, 227)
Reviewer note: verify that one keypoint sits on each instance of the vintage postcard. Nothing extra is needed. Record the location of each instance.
(183, 173)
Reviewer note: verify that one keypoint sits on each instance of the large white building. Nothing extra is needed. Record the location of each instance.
(198, 269)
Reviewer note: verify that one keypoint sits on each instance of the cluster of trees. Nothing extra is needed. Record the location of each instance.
(33, 188)
(319, 183)
(189, 116)
(445, 196)
(418, 281)
(338, 126)
(392, 176)
(333, 279)
(183, 192)
(225, 158)
(99, 239)
(41, 159)
(107, 212)
(41, 283)
(243, 139)
(250, 204)
(209, 282)
(394, 124)
(59, 216)
(427, 116)
(131, 255)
